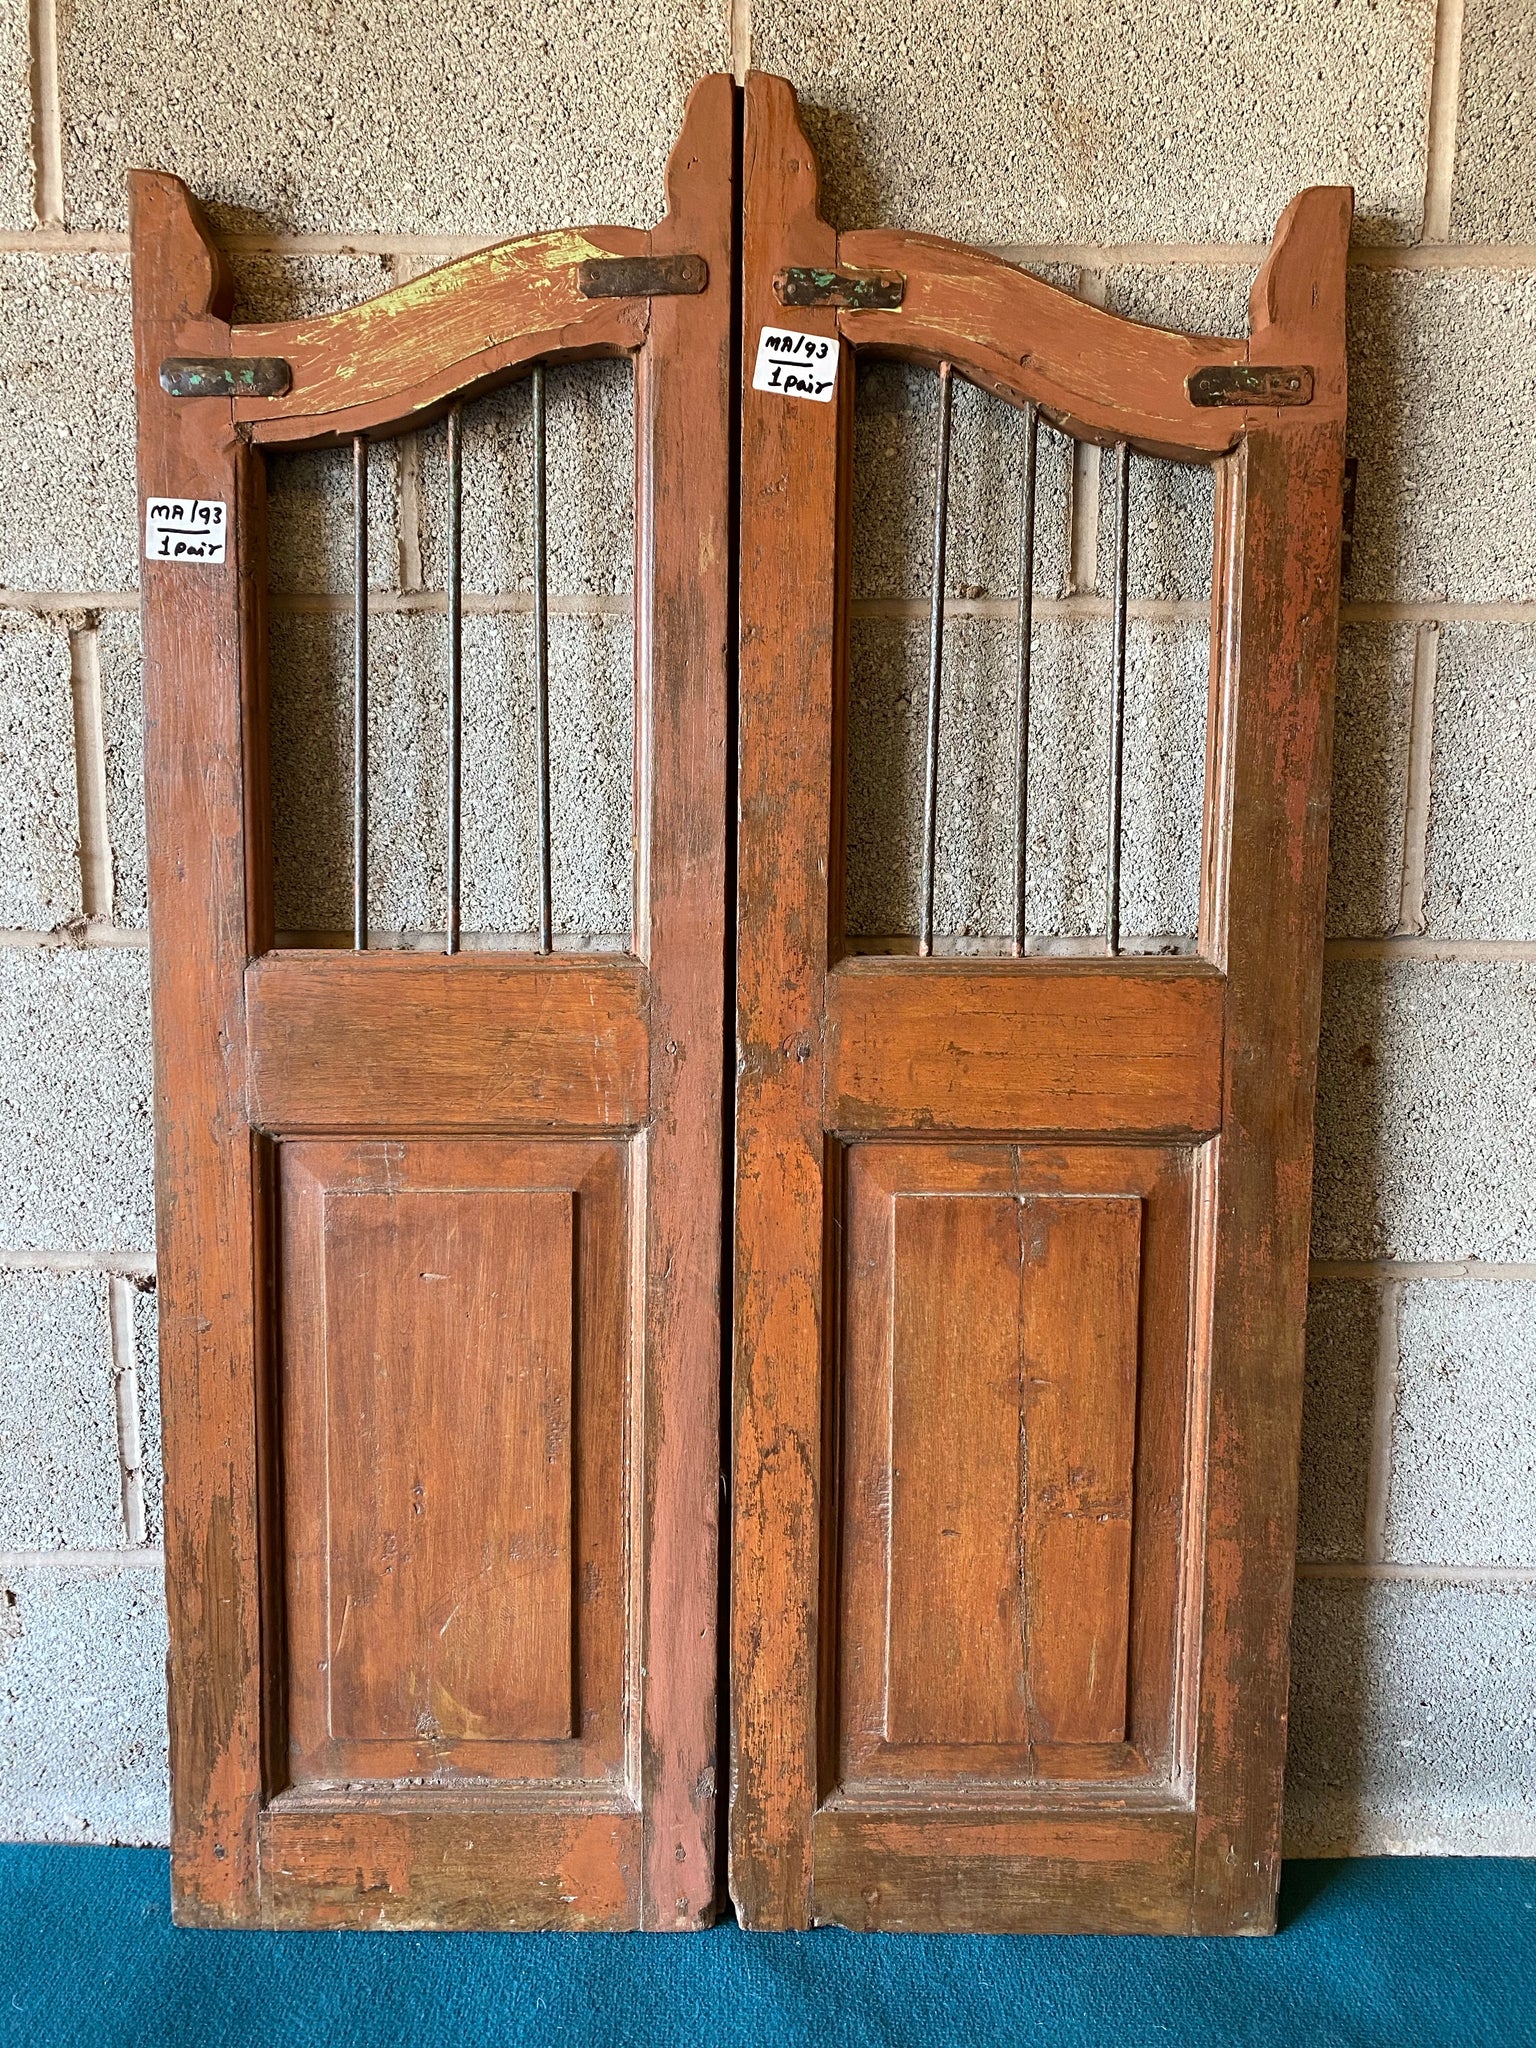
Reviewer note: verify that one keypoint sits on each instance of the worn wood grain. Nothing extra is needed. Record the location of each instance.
(415, 1865)
(456, 1370)
(1079, 1345)
(1268, 813)
(1088, 1871)
(396, 361)
(788, 652)
(395, 1041)
(1049, 1045)
(954, 1660)
(683, 625)
(202, 632)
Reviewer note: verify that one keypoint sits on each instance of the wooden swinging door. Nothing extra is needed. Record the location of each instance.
(439, 1231)
(1021, 1241)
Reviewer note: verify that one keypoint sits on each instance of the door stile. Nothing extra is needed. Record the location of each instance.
(1275, 649)
(683, 513)
(201, 648)
(788, 653)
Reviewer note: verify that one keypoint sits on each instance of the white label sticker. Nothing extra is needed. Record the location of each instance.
(796, 365)
(184, 530)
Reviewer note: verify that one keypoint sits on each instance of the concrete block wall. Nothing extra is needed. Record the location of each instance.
(1141, 156)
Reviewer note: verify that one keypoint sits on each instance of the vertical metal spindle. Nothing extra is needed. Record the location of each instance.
(455, 670)
(1026, 637)
(360, 694)
(541, 649)
(1117, 697)
(935, 660)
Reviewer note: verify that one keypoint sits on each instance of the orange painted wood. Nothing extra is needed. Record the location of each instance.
(397, 1865)
(899, 1870)
(289, 1080)
(455, 1373)
(955, 1641)
(1267, 797)
(1047, 1400)
(1166, 1309)
(1048, 1045)
(685, 432)
(395, 1041)
(1102, 377)
(1081, 1298)
(788, 653)
(448, 1493)
(395, 362)
(202, 643)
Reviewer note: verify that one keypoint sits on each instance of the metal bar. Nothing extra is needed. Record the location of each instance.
(455, 669)
(935, 659)
(225, 376)
(360, 694)
(541, 647)
(1117, 698)
(1026, 638)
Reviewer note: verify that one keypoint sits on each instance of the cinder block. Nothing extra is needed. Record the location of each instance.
(1424, 1111)
(58, 1419)
(120, 653)
(467, 119)
(1463, 1485)
(75, 1094)
(311, 536)
(1412, 1726)
(1373, 719)
(82, 1706)
(591, 747)
(895, 472)
(68, 502)
(269, 286)
(1164, 767)
(146, 1353)
(1442, 367)
(996, 123)
(15, 122)
(1480, 880)
(1343, 1343)
(1493, 198)
(39, 844)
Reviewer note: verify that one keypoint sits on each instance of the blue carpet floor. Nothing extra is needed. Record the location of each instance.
(1411, 1953)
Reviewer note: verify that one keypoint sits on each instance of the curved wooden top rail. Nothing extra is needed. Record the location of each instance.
(1100, 376)
(392, 362)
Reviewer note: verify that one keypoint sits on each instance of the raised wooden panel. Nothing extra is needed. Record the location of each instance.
(381, 1041)
(955, 1642)
(1016, 1364)
(1013, 1419)
(448, 1459)
(455, 1337)
(1081, 1294)
(1034, 1045)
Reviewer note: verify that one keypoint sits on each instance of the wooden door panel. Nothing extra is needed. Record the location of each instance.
(370, 1041)
(939, 1045)
(1018, 1312)
(456, 1375)
(1017, 1354)
(440, 1238)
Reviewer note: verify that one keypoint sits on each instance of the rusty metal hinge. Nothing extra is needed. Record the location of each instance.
(225, 376)
(856, 291)
(1250, 384)
(642, 277)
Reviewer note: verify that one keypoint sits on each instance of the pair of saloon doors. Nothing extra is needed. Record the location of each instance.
(1009, 1250)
